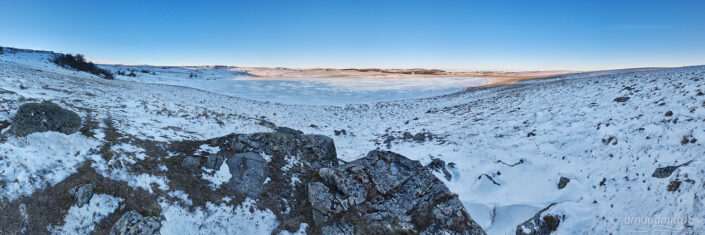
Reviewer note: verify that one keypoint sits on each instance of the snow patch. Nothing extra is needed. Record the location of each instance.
(208, 149)
(82, 220)
(40, 159)
(219, 177)
(217, 219)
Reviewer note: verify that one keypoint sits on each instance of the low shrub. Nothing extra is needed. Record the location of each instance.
(78, 62)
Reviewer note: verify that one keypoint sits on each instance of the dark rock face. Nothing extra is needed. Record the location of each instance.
(385, 193)
(41, 117)
(82, 193)
(133, 222)
(249, 170)
(541, 224)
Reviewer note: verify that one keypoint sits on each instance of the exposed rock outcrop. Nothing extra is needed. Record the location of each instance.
(248, 170)
(133, 223)
(274, 168)
(386, 193)
(46, 116)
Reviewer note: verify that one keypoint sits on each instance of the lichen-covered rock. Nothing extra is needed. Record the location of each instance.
(133, 223)
(386, 193)
(82, 193)
(274, 169)
(46, 116)
(249, 171)
(542, 223)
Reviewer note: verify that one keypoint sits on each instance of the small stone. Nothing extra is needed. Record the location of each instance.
(389, 139)
(340, 132)
(407, 136)
(669, 113)
(663, 172)
(420, 136)
(82, 193)
(563, 182)
(621, 99)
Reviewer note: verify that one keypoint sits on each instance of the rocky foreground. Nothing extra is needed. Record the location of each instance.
(296, 177)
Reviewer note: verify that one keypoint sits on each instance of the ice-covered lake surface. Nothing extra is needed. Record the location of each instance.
(332, 91)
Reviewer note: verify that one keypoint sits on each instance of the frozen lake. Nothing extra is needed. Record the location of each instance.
(332, 91)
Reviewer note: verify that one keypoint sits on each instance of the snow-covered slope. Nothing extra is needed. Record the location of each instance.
(509, 145)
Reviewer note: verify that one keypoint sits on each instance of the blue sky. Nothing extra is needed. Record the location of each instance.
(508, 35)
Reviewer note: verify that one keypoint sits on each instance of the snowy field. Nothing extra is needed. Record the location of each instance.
(509, 145)
(308, 91)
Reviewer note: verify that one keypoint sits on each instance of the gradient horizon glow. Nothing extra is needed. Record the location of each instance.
(484, 35)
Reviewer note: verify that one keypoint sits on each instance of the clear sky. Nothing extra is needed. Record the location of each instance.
(509, 35)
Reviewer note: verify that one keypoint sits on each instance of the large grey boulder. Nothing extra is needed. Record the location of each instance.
(273, 169)
(386, 193)
(133, 223)
(46, 116)
(249, 171)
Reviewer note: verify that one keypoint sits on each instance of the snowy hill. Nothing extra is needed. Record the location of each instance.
(506, 147)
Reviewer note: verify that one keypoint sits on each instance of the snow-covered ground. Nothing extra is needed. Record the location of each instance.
(550, 128)
(308, 91)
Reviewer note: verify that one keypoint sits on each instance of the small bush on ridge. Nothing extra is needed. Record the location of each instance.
(78, 62)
